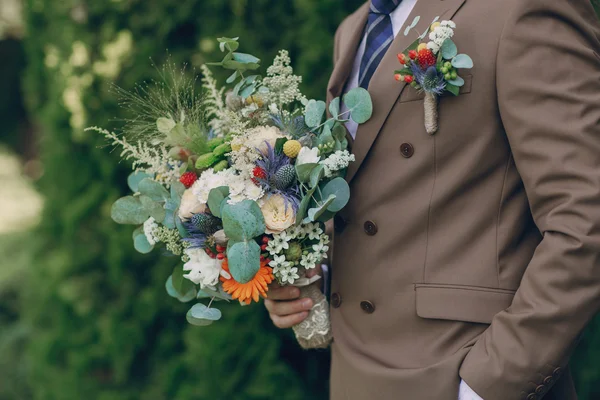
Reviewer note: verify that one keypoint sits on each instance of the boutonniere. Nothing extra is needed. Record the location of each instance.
(432, 66)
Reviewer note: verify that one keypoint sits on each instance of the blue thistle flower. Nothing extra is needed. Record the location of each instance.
(196, 239)
(430, 79)
(292, 126)
(271, 162)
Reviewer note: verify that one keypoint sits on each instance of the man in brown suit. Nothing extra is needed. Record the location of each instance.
(473, 253)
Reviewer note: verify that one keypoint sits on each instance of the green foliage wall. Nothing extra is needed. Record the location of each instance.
(102, 325)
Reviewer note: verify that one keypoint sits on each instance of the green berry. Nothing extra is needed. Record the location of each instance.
(444, 70)
(414, 84)
(448, 76)
(293, 252)
(454, 75)
(448, 64)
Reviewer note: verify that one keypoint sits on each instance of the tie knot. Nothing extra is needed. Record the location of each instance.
(384, 6)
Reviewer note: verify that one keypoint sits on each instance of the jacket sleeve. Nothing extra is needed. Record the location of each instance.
(548, 87)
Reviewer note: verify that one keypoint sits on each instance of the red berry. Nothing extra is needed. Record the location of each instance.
(188, 179)
(408, 79)
(220, 256)
(262, 258)
(258, 172)
(220, 248)
(412, 54)
(426, 58)
(263, 247)
(402, 58)
(265, 239)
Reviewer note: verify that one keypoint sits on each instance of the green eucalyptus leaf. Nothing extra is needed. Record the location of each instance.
(415, 21)
(339, 132)
(243, 220)
(156, 210)
(230, 44)
(141, 244)
(337, 187)
(407, 30)
(244, 260)
(246, 58)
(215, 199)
(201, 311)
(179, 224)
(171, 211)
(359, 103)
(316, 175)
(247, 91)
(455, 90)
(134, 179)
(279, 142)
(232, 77)
(153, 189)
(462, 61)
(334, 107)
(314, 112)
(303, 208)
(129, 210)
(457, 82)
(177, 190)
(184, 298)
(448, 49)
(315, 212)
(218, 295)
(303, 171)
(180, 284)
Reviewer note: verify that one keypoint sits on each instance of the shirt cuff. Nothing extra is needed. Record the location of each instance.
(466, 393)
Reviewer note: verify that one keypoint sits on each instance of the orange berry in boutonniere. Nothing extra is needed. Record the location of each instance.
(399, 77)
(402, 58)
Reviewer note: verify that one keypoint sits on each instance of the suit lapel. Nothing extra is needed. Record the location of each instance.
(383, 88)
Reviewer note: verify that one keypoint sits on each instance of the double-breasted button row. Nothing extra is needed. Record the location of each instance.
(365, 305)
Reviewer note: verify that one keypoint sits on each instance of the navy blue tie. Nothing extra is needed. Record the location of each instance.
(379, 38)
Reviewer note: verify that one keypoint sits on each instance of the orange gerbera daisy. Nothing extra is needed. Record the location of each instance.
(246, 292)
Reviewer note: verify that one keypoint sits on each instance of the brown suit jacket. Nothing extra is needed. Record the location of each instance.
(474, 252)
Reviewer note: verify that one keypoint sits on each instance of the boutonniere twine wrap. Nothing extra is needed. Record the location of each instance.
(432, 67)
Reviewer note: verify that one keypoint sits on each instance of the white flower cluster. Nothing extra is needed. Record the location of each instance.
(337, 161)
(247, 147)
(439, 35)
(150, 227)
(239, 188)
(283, 85)
(203, 270)
(314, 244)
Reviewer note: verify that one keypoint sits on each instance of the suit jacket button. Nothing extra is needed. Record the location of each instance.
(407, 150)
(549, 380)
(557, 372)
(532, 396)
(540, 389)
(336, 300)
(370, 228)
(367, 307)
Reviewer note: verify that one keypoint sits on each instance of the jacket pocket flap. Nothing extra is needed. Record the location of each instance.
(461, 303)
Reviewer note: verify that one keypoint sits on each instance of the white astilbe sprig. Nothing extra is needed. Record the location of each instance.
(283, 85)
(213, 102)
(154, 161)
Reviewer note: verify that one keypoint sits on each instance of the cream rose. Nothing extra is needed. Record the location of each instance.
(258, 136)
(190, 205)
(278, 216)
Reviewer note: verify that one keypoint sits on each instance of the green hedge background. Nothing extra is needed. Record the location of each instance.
(83, 315)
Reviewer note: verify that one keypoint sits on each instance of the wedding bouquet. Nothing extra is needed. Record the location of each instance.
(237, 181)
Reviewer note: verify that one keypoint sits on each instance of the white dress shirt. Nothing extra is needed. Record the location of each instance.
(399, 17)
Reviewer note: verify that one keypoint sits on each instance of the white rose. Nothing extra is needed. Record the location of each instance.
(278, 215)
(308, 156)
(204, 270)
(190, 205)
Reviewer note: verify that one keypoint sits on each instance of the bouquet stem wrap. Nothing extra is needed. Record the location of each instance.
(431, 112)
(315, 331)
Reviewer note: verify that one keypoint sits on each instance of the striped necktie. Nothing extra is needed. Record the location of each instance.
(379, 38)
